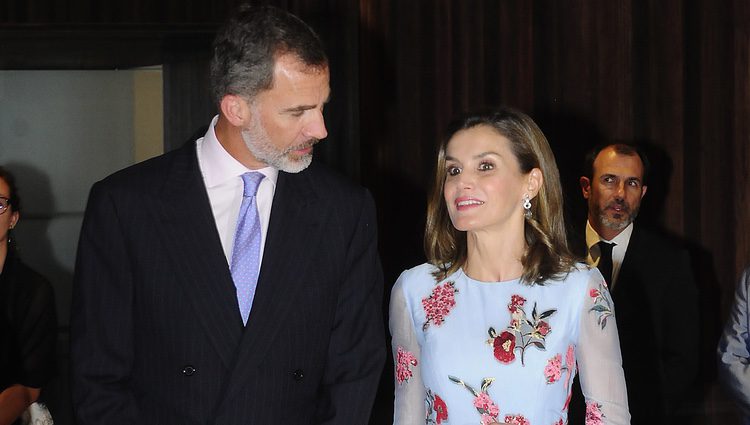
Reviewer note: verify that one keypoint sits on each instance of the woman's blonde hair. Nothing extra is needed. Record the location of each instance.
(547, 255)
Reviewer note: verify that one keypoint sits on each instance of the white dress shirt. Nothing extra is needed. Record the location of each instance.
(618, 251)
(222, 177)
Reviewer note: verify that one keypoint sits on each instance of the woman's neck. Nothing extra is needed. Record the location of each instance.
(492, 258)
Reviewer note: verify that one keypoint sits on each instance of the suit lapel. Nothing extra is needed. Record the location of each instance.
(194, 247)
(295, 220)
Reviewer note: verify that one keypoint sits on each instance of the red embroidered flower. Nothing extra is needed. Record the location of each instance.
(441, 409)
(559, 422)
(543, 328)
(503, 345)
(516, 301)
(594, 415)
(404, 361)
(516, 420)
(593, 293)
(439, 304)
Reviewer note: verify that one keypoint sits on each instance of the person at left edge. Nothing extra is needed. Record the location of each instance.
(156, 331)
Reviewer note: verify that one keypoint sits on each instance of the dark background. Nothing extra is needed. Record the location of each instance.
(674, 75)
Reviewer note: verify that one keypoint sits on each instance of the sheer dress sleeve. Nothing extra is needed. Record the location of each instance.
(599, 359)
(409, 403)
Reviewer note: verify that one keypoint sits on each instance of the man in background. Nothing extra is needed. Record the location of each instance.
(233, 281)
(734, 349)
(651, 282)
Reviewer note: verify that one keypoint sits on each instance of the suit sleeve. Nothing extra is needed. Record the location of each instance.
(733, 354)
(357, 347)
(101, 319)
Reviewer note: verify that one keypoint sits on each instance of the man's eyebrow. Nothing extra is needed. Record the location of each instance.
(303, 108)
(300, 108)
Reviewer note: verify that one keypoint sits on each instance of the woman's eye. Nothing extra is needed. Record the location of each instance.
(453, 171)
(486, 166)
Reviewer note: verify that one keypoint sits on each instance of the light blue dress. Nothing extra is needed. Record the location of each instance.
(471, 352)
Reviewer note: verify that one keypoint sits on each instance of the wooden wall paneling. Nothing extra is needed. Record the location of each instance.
(659, 104)
(741, 133)
(613, 84)
(715, 134)
(516, 66)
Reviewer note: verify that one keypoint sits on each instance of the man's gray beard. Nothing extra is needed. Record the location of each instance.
(257, 141)
(617, 225)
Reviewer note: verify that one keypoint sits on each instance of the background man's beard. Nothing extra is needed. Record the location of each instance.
(618, 224)
(259, 143)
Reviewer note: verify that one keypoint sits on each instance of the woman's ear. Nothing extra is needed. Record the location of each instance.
(14, 216)
(235, 109)
(536, 180)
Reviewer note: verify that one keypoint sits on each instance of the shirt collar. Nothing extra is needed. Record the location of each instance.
(219, 166)
(592, 238)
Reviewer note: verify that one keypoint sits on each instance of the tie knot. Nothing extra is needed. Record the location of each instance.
(606, 247)
(252, 181)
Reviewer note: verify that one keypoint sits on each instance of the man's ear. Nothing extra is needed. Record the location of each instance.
(585, 186)
(643, 192)
(235, 109)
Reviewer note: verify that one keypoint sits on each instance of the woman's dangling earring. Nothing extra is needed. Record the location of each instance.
(527, 206)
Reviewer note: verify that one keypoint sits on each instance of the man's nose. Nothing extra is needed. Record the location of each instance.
(316, 128)
(620, 191)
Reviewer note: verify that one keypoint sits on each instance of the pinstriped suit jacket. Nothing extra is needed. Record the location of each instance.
(156, 335)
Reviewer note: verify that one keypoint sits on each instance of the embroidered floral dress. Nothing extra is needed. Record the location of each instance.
(471, 352)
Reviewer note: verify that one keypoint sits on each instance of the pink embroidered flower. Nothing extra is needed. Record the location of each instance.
(553, 370)
(543, 328)
(559, 422)
(404, 361)
(487, 419)
(439, 304)
(503, 346)
(516, 420)
(593, 293)
(441, 409)
(594, 414)
(485, 405)
(570, 357)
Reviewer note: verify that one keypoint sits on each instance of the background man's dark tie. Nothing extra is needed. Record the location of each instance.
(605, 261)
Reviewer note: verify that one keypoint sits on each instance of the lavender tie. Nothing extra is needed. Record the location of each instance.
(246, 251)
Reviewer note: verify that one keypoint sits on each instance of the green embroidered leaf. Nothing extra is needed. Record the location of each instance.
(599, 308)
(547, 314)
(538, 344)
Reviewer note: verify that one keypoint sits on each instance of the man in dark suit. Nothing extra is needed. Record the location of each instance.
(175, 321)
(651, 283)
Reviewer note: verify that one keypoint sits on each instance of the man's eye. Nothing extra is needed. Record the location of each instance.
(486, 166)
(633, 183)
(609, 180)
(453, 171)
